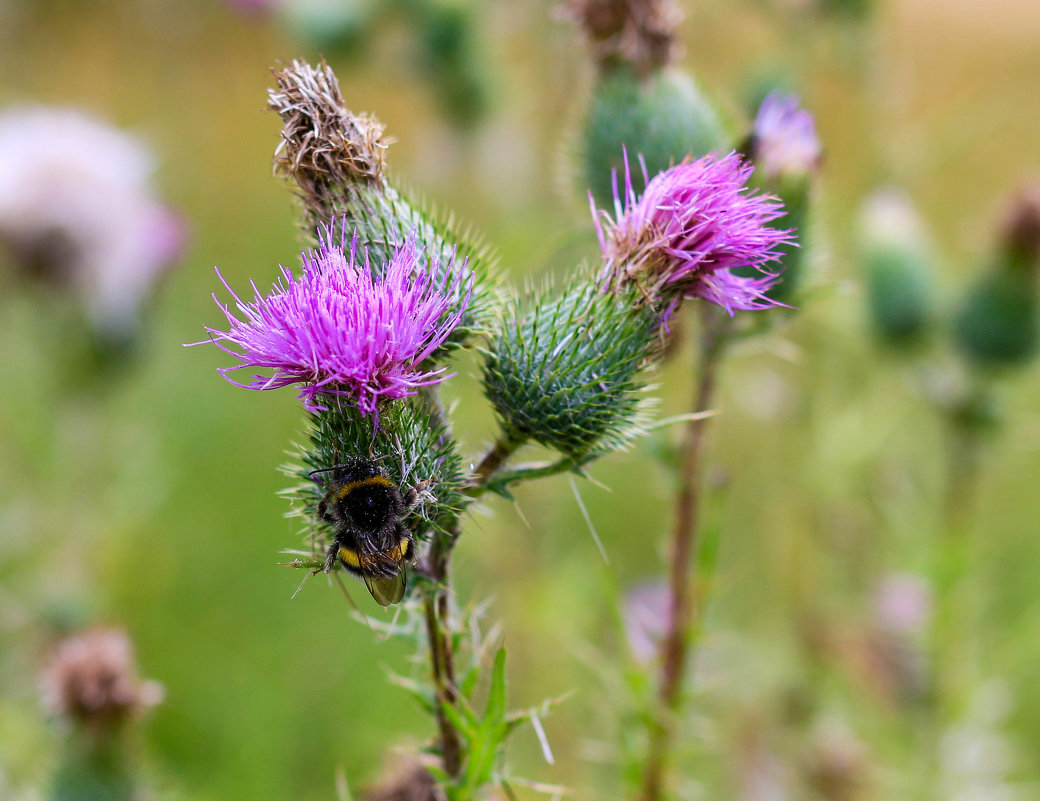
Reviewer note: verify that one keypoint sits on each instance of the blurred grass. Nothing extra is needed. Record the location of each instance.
(151, 501)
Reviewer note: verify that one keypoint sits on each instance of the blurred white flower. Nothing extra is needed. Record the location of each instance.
(78, 208)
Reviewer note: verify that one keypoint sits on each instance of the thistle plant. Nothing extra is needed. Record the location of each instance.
(368, 326)
(695, 232)
(959, 357)
(90, 685)
(640, 97)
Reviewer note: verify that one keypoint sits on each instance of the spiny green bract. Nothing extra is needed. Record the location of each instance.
(899, 291)
(409, 445)
(664, 118)
(384, 218)
(565, 372)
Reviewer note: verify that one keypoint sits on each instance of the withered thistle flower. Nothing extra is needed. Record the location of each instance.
(92, 680)
(640, 33)
(337, 160)
(343, 328)
(687, 233)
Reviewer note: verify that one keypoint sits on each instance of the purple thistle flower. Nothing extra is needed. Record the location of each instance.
(338, 330)
(692, 229)
(783, 138)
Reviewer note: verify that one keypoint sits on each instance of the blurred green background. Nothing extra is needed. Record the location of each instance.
(148, 499)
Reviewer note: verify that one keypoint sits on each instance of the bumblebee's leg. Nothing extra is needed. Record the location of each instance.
(330, 557)
(411, 495)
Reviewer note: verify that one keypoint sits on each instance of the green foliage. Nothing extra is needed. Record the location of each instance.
(997, 324)
(664, 117)
(411, 446)
(564, 372)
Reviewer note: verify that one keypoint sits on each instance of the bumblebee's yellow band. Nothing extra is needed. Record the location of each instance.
(396, 554)
(350, 486)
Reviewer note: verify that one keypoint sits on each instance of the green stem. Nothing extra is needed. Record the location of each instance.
(683, 612)
(436, 606)
(522, 472)
(492, 462)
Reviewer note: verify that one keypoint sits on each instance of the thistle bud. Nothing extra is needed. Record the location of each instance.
(91, 680)
(899, 267)
(563, 371)
(330, 26)
(411, 446)
(662, 117)
(91, 683)
(337, 160)
(786, 153)
(449, 38)
(998, 323)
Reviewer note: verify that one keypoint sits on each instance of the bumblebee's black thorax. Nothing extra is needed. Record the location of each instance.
(365, 511)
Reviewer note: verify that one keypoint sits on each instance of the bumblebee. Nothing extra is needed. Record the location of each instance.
(366, 510)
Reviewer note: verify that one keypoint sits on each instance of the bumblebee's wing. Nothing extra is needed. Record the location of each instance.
(388, 589)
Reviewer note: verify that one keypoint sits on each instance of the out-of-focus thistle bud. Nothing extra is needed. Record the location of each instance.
(899, 267)
(450, 40)
(331, 26)
(786, 152)
(406, 778)
(784, 145)
(998, 323)
(337, 160)
(563, 370)
(849, 9)
(91, 683)
(640, 101)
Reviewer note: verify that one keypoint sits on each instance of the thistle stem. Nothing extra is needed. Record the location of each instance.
(442, 661)
(683, 612)
(493, 460)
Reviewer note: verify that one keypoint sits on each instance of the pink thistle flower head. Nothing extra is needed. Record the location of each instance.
(784, 141)
(78, 207)
(92, 679)
(344, 329)
(693, 233)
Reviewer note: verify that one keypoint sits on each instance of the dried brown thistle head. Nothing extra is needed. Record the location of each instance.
(1021, 224)
(640, 33)
(407, 779)
(325, 148)
(91, 679)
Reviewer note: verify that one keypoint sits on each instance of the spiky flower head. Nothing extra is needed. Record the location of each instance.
(344, 327)
(687, 233)
(563, 369)
(783, 139)
(92, 679)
